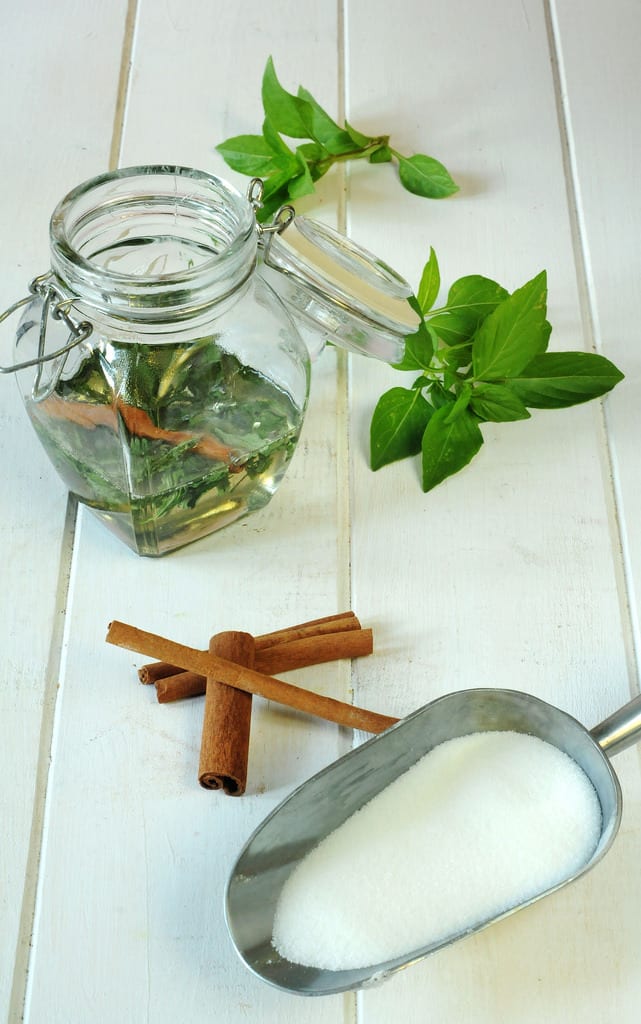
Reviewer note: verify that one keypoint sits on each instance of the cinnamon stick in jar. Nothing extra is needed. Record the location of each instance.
(224, 749)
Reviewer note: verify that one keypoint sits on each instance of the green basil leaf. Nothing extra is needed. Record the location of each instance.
(302, 184)
(312, 152)
(457, 357)
(555, 380)
(359, 140)
(452, 328)
(248, 154)
(460, 404)
(448, 446)
(381, 155)
(425, 176)
(470, 300)
(284, 157)
(497, 403)
(324, 129)
(430, 284)
(515, 332)
(450, 379)
(475, 297)
(440, 396)
(419, 347)
(398, 423)
(275, 182)
(289, 114)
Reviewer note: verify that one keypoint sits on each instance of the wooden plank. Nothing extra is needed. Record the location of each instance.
(604, 146)
(53, 135)
(507, 574)
(137, 855)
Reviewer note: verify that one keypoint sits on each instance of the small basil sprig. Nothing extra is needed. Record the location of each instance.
(291, 173)
(482, 357)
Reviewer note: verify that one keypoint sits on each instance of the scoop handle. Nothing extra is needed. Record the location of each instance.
(621, 729)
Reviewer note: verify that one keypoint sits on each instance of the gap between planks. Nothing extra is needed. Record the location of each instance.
(351, 1006)
(47, 724)
(589, 315)
(124, 83)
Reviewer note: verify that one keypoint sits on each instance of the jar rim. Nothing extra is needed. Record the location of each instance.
(104, 203)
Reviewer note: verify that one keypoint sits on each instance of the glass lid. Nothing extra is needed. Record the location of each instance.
(337, 288)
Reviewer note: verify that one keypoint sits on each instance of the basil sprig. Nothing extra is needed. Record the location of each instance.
(482, 357)
(290, 173)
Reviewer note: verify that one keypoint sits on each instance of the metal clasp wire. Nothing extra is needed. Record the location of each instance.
(79, 331)
(282, 218)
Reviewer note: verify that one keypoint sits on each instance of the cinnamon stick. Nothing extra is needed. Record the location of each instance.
(179, 687)
(309, 650)
(137, 421)
(243, 678)
(341, 622)
(156, 671)
(314, 650)
(227, 718)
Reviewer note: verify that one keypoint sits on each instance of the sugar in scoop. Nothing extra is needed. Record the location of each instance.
(480, 824)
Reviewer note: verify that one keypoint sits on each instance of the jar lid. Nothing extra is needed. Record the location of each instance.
(338, 288)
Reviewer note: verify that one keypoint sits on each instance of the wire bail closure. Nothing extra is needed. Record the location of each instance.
(56, 306)
(282, 218)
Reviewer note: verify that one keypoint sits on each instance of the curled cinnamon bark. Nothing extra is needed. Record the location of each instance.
(137, 422)
(224, 747)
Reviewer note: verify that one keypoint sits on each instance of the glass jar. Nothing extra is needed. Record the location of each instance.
(164, 376)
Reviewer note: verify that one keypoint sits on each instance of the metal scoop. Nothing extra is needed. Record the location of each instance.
(326, 800)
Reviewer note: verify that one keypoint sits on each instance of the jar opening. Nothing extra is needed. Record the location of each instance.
(151, 243)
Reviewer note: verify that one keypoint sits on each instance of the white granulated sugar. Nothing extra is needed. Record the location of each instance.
(480, 824)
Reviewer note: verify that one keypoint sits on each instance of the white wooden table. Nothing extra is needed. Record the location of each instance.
(522, 571)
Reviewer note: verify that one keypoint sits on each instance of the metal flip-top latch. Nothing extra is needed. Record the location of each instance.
(282, 218)
(58, 307)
